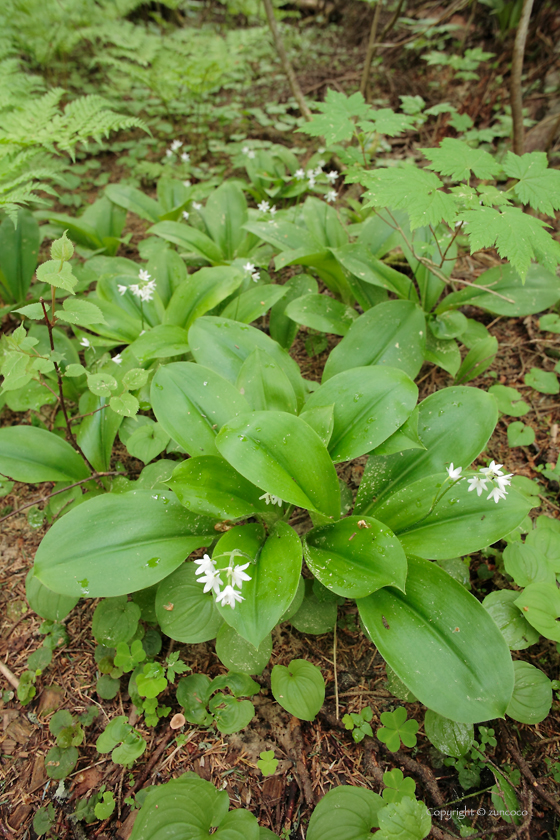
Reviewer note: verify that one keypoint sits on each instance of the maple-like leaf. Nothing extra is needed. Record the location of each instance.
(335, 123)
(385, 121)
(538, 185)
(456, 159)
(517, 236)
(415, 190)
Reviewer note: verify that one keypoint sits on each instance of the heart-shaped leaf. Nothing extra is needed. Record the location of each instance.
(184, 611)
(518, 434)
(532, 694)
(345, 813)
(515, 629)
(540, 605)
(448, 736)
(299, 688)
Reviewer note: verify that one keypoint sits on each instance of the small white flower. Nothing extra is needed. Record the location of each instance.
(168, 153)
(122, 289)
(331, 196)
(211, 580)
(245, 149)
(264, 206)
(205, 563)
(496, 493)
(117, 359)
(196, 205)
(478, 484)
(187, 183)
(273, 211)
(271, 500)
(332, 175)
(143, 275)
(228, 597)
(250, 154)
(85, 342)
(319, 167)
(300, 174)
(255, 276)
(492, 470)
(237, 575)
(249, 267)
(454, 474)
(185, 215)
(185, 157)
(503, 480)
(176, 145)
(321, 150)
(135, 289)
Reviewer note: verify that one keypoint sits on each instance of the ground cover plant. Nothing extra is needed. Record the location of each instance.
(241, 468)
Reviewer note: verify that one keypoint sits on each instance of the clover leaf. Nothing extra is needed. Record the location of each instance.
(397, 728)
(397, 786)
(267, 764)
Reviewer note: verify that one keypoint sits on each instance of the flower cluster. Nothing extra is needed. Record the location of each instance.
(249, 152)
(265, 207)
(252, 269)
(143, 290)
(492, 475)
(271, 500)
(210, 576)
(175, 146)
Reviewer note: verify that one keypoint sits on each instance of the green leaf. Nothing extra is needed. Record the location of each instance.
(538, 292)
(355, 557)
(527, 565)
(385, 121)
(97, 432)
(313, 615)
(448, 736)
(538, 185)
(442, 644)
(322, 313)
(370, 404)
(509, 400)
(224, 215)
(80, 312)
(478, 359)
(548, 323)
(515, 629)
(455, 159)
(44, 819)
(34, 455)
(254, 303)
(415, 190)
(265, 385)
(113, 545)
(397, 728)
(443, 352)
(336, 123)
(46, 603)
(107, 687)
(134, 378)
(200, 293)
(519, 434)
(191, 241)
(57, 274)
(184, 611)
(281, 454)
(283, 329)
(101, 384)
(135, 201)
(275, 568)
(34, 311)
(545, 382)
(454, 424)
(162, 341)
(532, 694)
(237, 654)
(404, 820)
(193, 694)
(60, 761)
(192, 403)
(345, 813)
(540, 605)
(230, 715)
(19, 247)
(147, 442)
(299, 688)
(105, 807)
(397, 786)
(267, 764)
(115, 620)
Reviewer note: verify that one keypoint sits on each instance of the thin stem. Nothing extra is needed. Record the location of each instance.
(371, 49)
(77, 417)
(284, 60)
(56, 493)
(516, 96)
(337, 710)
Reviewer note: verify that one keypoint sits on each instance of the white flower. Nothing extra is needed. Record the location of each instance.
(496, 493)
(237, 575)
(86, 343)
(300, 174)
(264, 206)
(117, 359)
(187, 183)
(454, 474)
(332, 175)
(168, 153)
(122, 289)
(211, 580)
(143, 275)
(176, 145)
(196, 205)
(331, 196)
(249, 267)
(205, 563)
(492, 470)
(478, 484)
(503, 480)
(185, 215)
(249, 152)
(273, 211)
(255, 276)
(135, 289)
(271, 500)
(185, 157)
(245, 149)
(319, 167)
(228, 597)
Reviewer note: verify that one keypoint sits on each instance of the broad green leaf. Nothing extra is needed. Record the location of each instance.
(345, 813)
(45, 602)
(33, 310)
(19, 247)
(456, 159)
(60, 761)
(391, 334)
(448, 736)
(126, 405)
(81, 312)
(113, 545)
(284, 456)
(115, 620)
(254, 303)
(335, 123)
(192, 403)
(477, 360)
(532, 694)
(283, 329)
(397, 786)
(147, 442)
(134, 378)
(162, 341)
(538, 185)
(548, 323)
(404, 820)
(322, 313)
(509, 400)
(135, 201)
(33, 455)
(224, 215)
(460, 523)
(545, 382)
(515, 629)
(97, 431)
(397, 728)
(540, 605)
(314, 615)
(454, 424)
(57, 274)
(200, 293)
(223, 346)
(359, 261)
(239, 655)
(370, 404)
(539, 291)
(208, 484)
(275, 568)
(264, 384)
(546, 539)
(408, 188)
(450, 324)
(444, 353)
(299, 688)
(442, 644)
(184, 611)
(193, 694)
(101, 384)
(527, 565)
(321, 420)
(355, 557)
(231, 715)
(190, 240)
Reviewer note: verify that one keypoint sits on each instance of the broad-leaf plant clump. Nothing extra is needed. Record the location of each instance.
(173, 357)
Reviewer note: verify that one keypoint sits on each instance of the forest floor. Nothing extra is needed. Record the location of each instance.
(313, 756)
